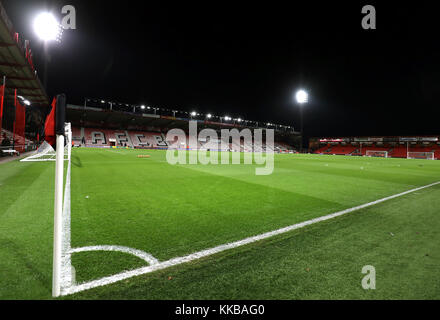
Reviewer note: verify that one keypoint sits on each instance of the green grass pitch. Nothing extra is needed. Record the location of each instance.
(171, 211)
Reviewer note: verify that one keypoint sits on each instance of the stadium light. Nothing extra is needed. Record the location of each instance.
(143, 107)
(24, 100)
(193, 114)
(302, 96)
(47, 27)
(209, 116)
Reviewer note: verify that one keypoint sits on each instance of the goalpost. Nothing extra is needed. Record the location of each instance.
(376, 153)
(421, 155)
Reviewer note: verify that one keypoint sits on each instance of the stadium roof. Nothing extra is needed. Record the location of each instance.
(149, 111)
(133, 116)
(17, 66)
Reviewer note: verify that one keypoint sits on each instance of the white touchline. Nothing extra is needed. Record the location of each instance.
(208, 252)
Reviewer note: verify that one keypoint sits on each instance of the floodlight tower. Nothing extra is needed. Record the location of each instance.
(301, 97)
(48, 29)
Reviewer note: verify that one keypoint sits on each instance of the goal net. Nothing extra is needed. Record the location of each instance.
(375, 153)
(47, 153)
(421, 155)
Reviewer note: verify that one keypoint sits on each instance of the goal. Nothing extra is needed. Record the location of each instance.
(421, 155)
(376, 153)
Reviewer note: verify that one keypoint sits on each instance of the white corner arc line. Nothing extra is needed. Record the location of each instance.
(138, 253)
(208, 252)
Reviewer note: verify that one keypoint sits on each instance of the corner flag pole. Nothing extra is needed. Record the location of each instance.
(58, 208)
(57, 234)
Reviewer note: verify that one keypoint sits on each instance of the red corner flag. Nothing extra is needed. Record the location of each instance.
(49, 127)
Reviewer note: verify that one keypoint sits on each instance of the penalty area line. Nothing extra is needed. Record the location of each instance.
(208, 252)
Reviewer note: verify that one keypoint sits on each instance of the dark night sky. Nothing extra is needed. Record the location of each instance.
(248, 60)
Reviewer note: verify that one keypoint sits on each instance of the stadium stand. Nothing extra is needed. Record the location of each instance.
(147, 139)
(9, 142)
(399, 152)
(146, 127)
(396, 147)
(343, 150)
(6, 134)
(324, 150)
(107, 138)
(336, 149)
(93, 137)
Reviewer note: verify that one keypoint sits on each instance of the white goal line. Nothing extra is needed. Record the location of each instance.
(208, 252)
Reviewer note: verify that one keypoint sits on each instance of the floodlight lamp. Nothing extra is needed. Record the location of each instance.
(302, 96)
(24, 100)
(47, 27)
(143, 107)
(193, 113)
(209, 116)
